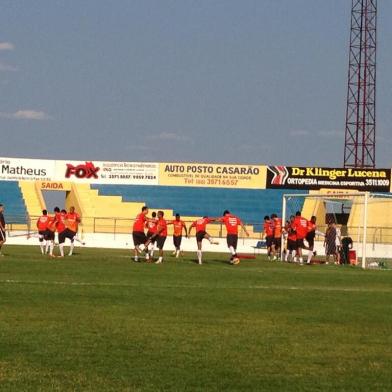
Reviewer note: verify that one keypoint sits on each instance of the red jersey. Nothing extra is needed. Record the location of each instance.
(42, 222)
(201, 224)
(73, 221)
(301, 227)
(152, 225)
(178, 225)
(231, 222)
(162, 227)
(311, 226)
(277, 227)
(268, 229)
(60, 222)
(51, 225)
(291, 234)
(140, 220)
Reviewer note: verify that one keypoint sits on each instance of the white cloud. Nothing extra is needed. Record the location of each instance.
(25, 115)
(6, 67)
(170, 136)
(6, 46)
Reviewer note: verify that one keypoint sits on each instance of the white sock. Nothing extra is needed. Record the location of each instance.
(136, 258)
(160, 258)
(47, 246)
(232, 250)
(301, 260)
(61, 246)
(71, 249)
(177, 253)
(199, 253)
(42, 246)
(51, 247)
(310, 255)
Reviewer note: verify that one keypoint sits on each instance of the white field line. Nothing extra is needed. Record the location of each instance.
(257, 287)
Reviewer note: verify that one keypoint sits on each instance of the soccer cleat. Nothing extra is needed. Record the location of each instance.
(158, 262)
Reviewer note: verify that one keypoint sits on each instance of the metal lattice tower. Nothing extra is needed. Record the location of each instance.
(360, 135)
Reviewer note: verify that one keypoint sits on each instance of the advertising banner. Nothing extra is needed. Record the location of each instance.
(289, 177)
(16, 169)
(97, 172)
(212, 175)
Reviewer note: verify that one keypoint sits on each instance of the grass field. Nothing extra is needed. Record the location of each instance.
(99, 322)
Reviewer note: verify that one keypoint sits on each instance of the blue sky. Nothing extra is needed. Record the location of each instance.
(250, 81)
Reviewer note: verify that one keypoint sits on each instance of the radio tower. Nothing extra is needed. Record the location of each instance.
(360, 135)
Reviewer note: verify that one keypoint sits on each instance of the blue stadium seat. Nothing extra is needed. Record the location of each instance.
(11, 197)
(249, 204)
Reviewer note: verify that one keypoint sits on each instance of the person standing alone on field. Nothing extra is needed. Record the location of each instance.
(2, 228)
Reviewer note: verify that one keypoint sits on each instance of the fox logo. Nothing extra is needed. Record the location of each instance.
(86, 170)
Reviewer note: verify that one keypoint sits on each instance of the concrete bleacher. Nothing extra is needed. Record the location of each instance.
(11, 197)
(250, 204)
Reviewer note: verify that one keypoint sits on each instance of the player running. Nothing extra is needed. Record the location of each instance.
(138, 235)
(178, 226)
(232, 222)
(42, 226)
(202, 234)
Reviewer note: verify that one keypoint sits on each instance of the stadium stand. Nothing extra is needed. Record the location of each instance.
(12, 198)
(250, 204)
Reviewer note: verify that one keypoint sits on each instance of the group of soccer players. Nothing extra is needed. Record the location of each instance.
(64, 223)
(156, 227)
(296, 231)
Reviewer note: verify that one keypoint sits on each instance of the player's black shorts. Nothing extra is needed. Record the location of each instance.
(139, 238)
(49, 235)
(149, 235)
(310, 240)
(41, 234)
(291, 245)
(177, 240)
(200, 235)
(277, 241)
(160, 242)
(232, 240)
(300, 243)
(2, 235)
(269, 241)
(67, 233)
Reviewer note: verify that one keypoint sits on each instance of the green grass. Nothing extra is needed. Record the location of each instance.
(99, 322)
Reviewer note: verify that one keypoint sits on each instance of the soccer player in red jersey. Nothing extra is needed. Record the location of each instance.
(268, 234)
(291, 240)
(201, 234)
(151, 225)
(160, 235)
(72, 221)
(138, 235)
(62, 230)
(178, 226)
(277, 236)
(311, 234)
(50, 235)
(232, 223)
(301, 228)
(42, 226)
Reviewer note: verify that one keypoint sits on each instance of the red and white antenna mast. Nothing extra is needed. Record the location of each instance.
(360, 135)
